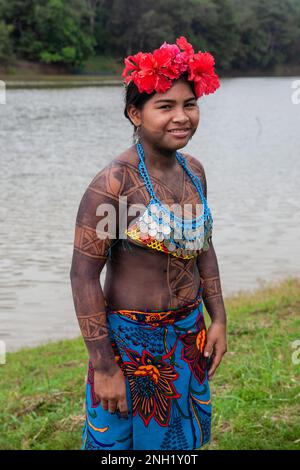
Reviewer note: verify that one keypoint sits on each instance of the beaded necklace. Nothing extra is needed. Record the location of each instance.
(179, 236)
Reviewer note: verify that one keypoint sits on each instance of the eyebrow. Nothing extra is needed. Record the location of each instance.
(173, 101)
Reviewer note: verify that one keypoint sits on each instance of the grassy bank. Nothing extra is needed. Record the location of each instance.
(60, 81)
(255, 392)
(99, 71)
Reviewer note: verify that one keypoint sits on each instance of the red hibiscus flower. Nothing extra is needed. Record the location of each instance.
(131, 65)
(185, 45)
(201, 71)
(158, 70)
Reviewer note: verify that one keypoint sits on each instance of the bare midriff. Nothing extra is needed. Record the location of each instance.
(138, 277)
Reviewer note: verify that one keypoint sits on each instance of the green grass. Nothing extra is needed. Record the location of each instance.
(97, 71)
(60, 81)
(255, 391)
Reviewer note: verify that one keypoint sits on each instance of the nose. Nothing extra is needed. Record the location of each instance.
(180, 116)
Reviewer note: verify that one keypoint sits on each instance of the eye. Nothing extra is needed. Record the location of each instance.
(168, 106)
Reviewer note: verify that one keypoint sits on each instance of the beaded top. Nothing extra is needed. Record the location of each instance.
(160, 229)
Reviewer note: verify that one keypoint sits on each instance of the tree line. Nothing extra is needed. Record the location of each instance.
(240, 34)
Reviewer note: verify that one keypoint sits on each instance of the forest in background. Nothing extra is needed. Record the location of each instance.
(242, 35)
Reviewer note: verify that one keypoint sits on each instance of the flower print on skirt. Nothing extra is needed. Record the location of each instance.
(161, 354)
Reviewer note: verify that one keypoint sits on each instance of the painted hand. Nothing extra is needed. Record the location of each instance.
(111, 392)
(216, 346)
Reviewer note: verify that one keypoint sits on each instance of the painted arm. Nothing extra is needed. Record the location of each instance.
(207, 264)
(93, 238)
(212, 291)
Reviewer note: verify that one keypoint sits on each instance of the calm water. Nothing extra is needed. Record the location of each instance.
(52, 144)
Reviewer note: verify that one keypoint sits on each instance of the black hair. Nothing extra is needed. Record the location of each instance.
(133, 96)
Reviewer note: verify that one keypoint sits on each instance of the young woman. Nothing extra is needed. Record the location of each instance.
(150, 354)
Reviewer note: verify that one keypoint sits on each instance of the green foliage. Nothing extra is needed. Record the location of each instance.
(242, 35)
(52, 31)
(268, 30)
(5, 43)
(61, 34)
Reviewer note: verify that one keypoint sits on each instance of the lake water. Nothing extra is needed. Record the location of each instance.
(54, 141)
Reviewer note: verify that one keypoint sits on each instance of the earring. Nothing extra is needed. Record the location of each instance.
(136, 135)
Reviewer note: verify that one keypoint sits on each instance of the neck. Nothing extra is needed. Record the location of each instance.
(157, 158)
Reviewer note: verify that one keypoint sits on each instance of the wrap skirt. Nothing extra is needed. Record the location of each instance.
(161, 354)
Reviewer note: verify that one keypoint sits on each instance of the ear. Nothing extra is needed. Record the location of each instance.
(134, 114)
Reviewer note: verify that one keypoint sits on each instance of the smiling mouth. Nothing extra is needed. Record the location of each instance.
(180, 132)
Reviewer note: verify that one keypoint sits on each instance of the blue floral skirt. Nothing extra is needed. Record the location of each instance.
(161, 354)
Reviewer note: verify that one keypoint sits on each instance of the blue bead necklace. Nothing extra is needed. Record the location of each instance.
(154, 199)
(162, 224)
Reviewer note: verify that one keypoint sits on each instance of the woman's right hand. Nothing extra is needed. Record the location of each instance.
(110, 390)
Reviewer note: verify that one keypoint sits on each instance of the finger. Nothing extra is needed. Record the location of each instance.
(97, 399)
(104, 404)
(123, 408)
(208, 350)
(112, 405)
(215, 363)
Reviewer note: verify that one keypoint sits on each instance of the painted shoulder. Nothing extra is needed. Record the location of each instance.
(197, 168)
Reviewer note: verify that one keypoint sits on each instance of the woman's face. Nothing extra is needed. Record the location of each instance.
(177, 108)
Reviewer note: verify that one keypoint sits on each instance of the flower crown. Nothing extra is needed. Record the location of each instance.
(156, 71)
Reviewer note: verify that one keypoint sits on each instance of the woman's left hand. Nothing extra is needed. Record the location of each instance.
(216, 345)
